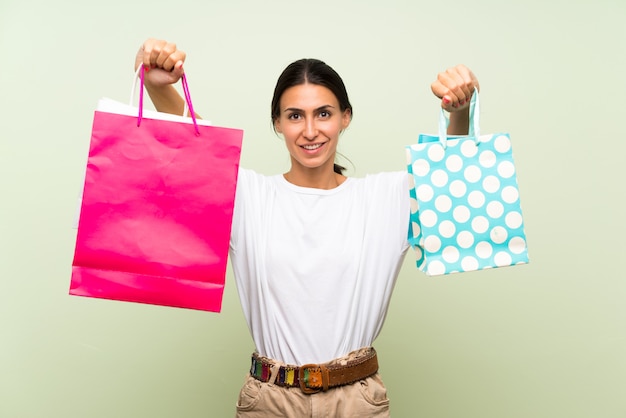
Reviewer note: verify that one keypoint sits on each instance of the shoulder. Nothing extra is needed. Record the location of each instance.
(256, 187)
(251, 177)
(385, 186)
(386, 179)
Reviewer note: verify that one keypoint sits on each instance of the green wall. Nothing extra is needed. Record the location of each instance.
(545, 340)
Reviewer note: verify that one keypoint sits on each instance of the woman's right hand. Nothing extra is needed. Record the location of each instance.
(162, 60)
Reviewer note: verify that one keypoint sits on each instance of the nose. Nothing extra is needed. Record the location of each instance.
(310, 129)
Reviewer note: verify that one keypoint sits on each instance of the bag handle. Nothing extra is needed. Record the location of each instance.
(474, 121)
(139, 74)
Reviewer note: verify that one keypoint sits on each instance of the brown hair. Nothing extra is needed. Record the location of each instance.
(313, 71)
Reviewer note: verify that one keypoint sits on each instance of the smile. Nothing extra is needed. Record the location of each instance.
(312, 147)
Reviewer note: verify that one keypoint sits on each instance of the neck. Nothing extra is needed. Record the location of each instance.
(316, 178)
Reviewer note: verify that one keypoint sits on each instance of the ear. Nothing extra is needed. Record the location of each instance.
(277, 127)
(346, 118)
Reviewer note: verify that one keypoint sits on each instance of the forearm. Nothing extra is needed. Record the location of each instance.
(459, 122)
(166, 99)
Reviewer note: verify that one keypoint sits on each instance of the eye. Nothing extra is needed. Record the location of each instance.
(324, 114)
(294, 116)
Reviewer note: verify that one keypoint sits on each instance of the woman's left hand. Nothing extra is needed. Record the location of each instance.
(455, 87)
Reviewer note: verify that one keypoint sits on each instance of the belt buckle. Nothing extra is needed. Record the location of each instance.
(303, 380)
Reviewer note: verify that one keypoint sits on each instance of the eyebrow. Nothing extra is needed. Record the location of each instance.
(295, 109)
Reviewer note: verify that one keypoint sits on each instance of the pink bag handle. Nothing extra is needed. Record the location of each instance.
(185, 92)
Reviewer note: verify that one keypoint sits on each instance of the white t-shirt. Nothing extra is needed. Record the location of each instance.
(315, 269)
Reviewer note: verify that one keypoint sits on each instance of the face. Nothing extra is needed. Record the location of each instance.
(310, 121)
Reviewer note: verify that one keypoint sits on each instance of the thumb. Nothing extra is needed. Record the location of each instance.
(178, 70)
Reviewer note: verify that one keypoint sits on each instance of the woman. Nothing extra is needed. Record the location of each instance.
(315, 254)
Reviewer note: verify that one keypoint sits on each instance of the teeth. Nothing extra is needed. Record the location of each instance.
(311, 147)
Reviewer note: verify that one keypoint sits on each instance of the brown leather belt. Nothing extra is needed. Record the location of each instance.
(312, 378)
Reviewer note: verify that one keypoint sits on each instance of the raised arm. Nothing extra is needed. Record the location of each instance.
(164, 64)
(455, 87)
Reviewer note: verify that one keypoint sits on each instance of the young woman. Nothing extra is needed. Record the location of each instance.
(315, 254)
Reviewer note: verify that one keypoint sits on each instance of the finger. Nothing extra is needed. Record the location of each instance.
(171, 60)
(142, 57)
(456, 83)
(147, 50)
(441, 91)
(446, 88)
(163, 59)
(153, 53)
(151, 49)
(178, 69)
(470, 82)
(468, 76)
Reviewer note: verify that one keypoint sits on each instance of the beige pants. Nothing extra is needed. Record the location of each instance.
(362, 399)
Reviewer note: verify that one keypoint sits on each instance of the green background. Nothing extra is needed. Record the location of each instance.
(545, 340)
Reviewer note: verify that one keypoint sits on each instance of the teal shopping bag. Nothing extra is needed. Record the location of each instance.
(465, 202)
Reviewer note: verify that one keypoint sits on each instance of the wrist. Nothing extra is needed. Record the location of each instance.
(459, 122)
(165, 98)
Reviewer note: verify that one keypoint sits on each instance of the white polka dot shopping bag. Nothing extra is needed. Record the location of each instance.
(465, 201)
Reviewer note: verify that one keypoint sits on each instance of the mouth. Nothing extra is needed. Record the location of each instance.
(312, 147)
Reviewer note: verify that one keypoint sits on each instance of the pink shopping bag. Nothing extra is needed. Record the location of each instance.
(157, 208)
